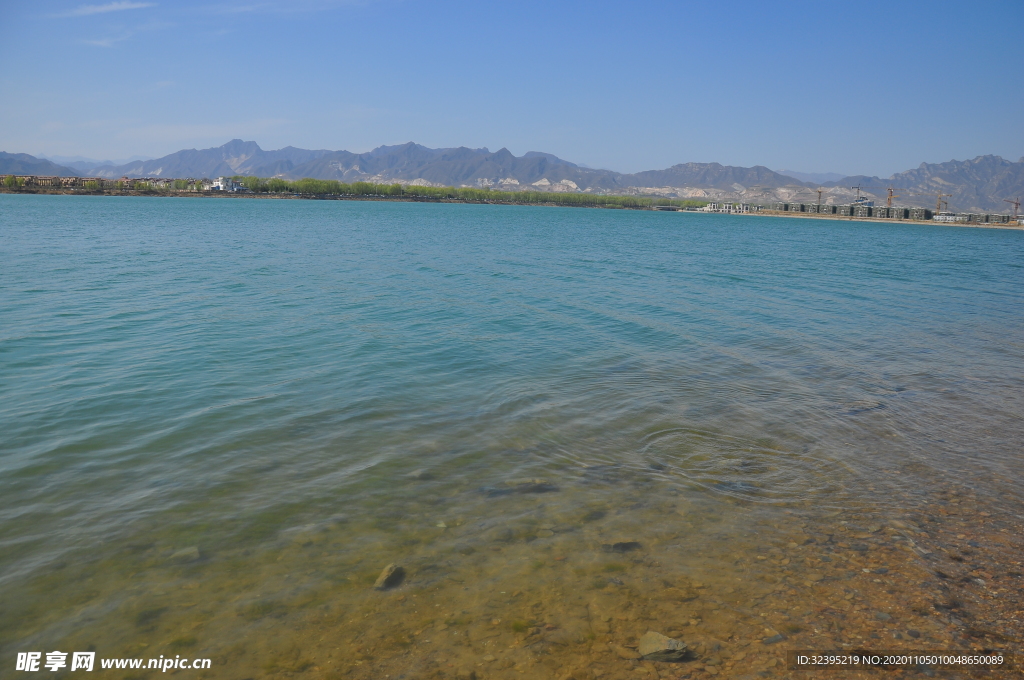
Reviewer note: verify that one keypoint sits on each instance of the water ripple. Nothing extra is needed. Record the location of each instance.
(743, 468)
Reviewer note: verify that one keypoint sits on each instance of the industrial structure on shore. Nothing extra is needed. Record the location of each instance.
(866, 209)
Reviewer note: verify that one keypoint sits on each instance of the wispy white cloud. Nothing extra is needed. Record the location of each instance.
(112, 40)
(109, 42)
(239, 9)
(87, 10)
(291, 7)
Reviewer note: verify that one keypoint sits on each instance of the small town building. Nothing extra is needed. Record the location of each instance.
(225, 184)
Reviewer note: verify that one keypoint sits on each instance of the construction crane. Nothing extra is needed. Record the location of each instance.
(890, 189)
(938, 200)
(888, 200)
(1016, 205)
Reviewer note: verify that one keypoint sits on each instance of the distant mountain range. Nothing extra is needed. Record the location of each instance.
(234, 158)
(23, 164)
(815, 177)
(84, 165)
(980, 184)
(975, 185)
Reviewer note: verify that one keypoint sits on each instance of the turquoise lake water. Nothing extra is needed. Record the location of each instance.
(304, 391)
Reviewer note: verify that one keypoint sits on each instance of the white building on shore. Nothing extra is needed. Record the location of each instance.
(719, 207)
(225, 184)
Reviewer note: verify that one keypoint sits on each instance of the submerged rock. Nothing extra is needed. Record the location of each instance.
(685, 592)
(519, 486)
(185, 555)
(657, 647)
(738, 487)
(624, 652)
(862, 406)
(501, 535)
(390, 577)
(575, 675)
(621, 547)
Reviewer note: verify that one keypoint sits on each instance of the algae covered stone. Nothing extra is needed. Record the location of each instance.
(657, 647)
(390, 577)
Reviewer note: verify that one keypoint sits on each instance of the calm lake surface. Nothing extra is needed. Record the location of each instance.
(222, 418)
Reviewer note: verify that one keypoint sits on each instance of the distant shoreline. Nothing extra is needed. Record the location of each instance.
(427, 199)
(45, 191)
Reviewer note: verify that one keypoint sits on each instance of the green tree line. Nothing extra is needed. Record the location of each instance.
(332, 188)
(329, 188)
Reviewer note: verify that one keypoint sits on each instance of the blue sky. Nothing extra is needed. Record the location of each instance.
(865, 87)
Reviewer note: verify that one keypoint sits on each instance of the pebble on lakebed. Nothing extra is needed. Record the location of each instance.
(390, 577)
(621, 546)
(657, 647)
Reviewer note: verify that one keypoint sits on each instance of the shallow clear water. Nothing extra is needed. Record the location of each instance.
(306, 391)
